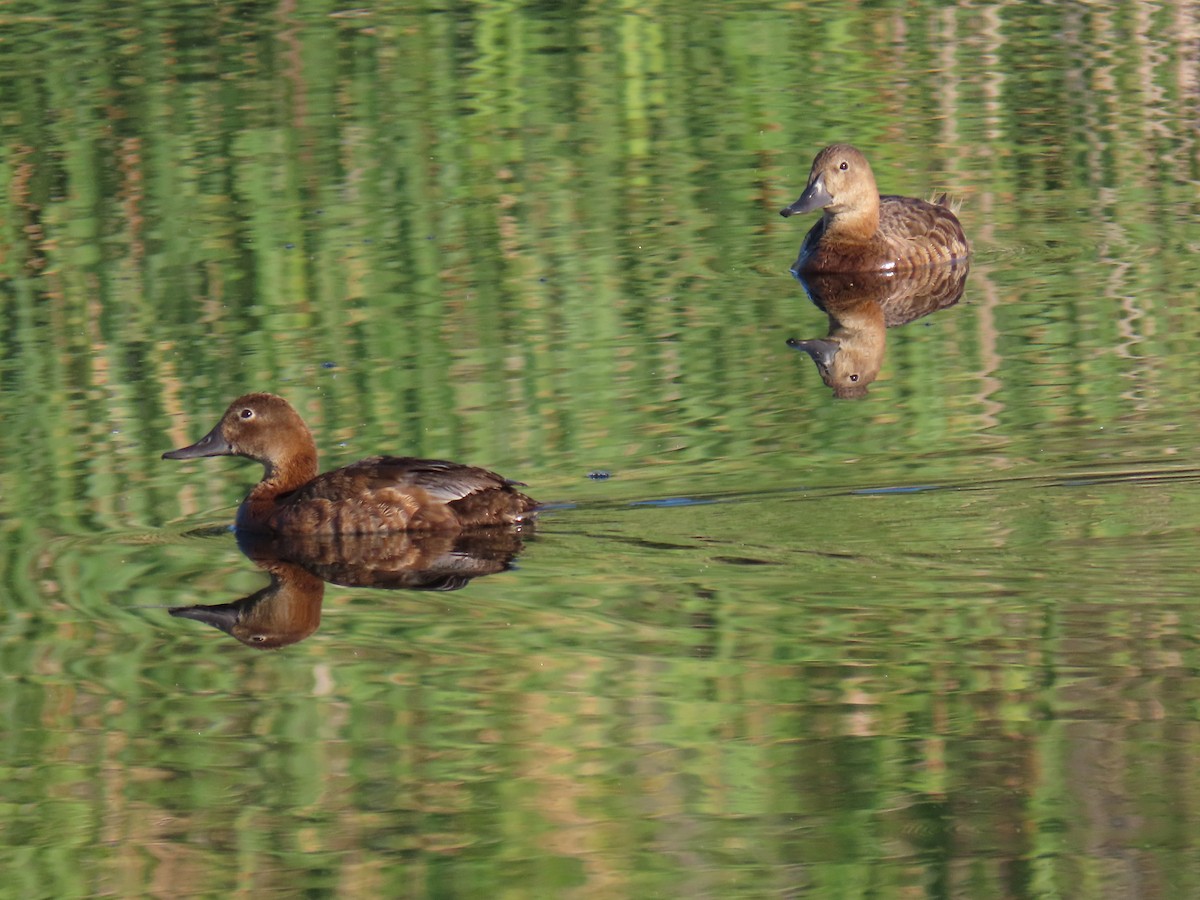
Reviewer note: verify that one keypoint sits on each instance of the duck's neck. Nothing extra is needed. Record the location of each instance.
(853, 224)
(280, 477)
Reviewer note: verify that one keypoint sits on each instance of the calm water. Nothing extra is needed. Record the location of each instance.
(937, 641)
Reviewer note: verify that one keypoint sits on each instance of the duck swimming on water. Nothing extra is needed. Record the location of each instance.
(380, 493)
(861, 231)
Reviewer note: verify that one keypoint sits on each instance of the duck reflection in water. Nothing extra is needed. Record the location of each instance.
(289, 608)
(861, 307)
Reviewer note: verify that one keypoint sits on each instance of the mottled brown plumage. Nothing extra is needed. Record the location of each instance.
(381, 493)
(862, 231)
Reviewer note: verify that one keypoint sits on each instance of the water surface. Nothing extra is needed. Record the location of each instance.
(938, 641)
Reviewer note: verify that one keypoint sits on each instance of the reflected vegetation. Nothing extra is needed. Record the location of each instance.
(545, 236)
(861, 308)
(288, 610)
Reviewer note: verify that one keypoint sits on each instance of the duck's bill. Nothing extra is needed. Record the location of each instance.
(212, 444)
(814, 197)
(821, 350)
(221, 615)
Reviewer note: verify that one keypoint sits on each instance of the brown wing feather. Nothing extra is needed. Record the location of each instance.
(923, 232)
(441, 480)
(402, 492)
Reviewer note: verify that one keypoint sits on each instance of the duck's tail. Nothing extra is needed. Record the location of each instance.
(943, 199)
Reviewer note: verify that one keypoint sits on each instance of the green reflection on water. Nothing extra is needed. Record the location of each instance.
(545, 240)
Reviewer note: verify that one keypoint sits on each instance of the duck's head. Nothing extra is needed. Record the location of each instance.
(840, 180)
(262, 427)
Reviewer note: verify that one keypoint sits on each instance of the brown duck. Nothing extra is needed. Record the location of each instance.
(862, 231)
(380, 493)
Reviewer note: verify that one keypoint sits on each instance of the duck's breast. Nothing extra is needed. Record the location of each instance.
(827, 251)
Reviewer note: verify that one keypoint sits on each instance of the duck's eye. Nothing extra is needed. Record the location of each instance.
(853, 379)
(844, 166)
(247, 413)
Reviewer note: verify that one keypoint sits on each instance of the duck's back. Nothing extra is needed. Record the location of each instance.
(923, 233)
(911, 233)
(401, 493)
